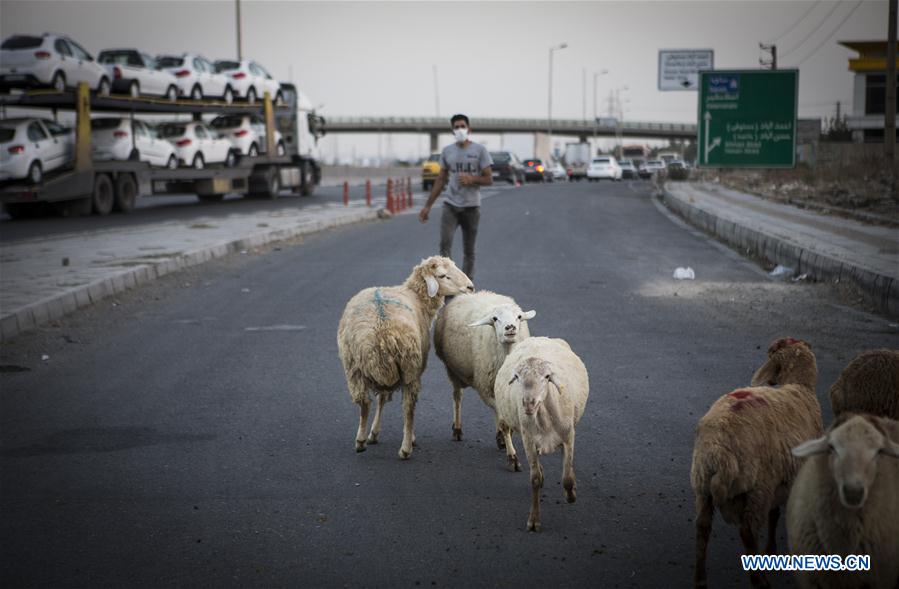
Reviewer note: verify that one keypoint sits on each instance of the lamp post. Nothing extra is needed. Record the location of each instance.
(549, 117)
(595, 76)
(620, 113)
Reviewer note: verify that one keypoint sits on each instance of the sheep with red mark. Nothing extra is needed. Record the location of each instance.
(844, 502)
(473, 354)
(541, 391)
(384, 338)
(742, 464)
(869, 384)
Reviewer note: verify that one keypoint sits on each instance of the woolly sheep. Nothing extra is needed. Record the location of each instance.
(541, 390)
(844, 501)
(383, 341)
(869, 384)
(473, 355)
(742, 463)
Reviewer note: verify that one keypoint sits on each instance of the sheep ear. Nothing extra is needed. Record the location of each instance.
(486, 320)
(432, 286)
(816, 446)
(514, 378)
(529, 315)
(552, 378)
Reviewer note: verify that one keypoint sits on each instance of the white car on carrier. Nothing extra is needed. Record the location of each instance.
(196, 76)
(113, 138)
(197, 145)
(246, 133)
(49, 60)
(134, 73)
(30, 147)
(249, 80)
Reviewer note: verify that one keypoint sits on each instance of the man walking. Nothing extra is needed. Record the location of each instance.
(465, 166)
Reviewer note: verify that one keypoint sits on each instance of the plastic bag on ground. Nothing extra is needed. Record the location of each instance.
(684, 274)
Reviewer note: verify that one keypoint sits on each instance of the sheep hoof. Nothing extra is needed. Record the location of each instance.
(500, 441)
(570, 490)
(372, 438)
(533, 526)
(360, 446)
(513, 464)
(404, 454)
(457, 434)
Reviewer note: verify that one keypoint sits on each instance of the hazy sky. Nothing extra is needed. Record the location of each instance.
(377, 58)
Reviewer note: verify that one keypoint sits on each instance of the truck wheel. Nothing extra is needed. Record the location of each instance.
(266, 184)
(307, 181)
(125, 193)
(104, 196)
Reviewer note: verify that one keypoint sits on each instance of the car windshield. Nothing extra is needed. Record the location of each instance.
(655, 163)
(22, 42)
(227, 122)
(6, 134)
(224, 66)
(171, 130)
(500, 157)
(435, 157)
(169, 61)
(601, 160)
(117, 57)
(99, 124)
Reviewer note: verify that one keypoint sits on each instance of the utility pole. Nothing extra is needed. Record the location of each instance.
(239, 37)
(549, 102)
(889, 130)
(772, 50)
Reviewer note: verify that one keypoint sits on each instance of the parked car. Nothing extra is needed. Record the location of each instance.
(115, 138)
(197, 145)
(249, 80)
(628, 169)
(507, 167)
(30, 147)
(558, 171)
(536, 171)
(654, 166)
(604, 168)
(430, 169)
(134, 73)
(196, 76)
(246, 134)
(49, 60)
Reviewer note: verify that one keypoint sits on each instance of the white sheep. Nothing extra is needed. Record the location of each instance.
(742, 463)
(541, 391)
(384, 338)
(845, 501)
(473, 355)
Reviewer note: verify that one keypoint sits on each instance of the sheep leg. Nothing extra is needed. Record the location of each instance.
(410, 396)
(363, 422)
(569, 482)
(511, 457)
(376, 423)
(750, 544)
(773, 516)
(705, 512)
(530, 449)
(457, 412)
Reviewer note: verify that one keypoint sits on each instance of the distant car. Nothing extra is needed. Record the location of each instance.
(643, 172)
(246, 134)
(604, 168)
(430, 169)
(628, 169)
(134, 73)
(678, 170)
(114, 138)
(196, 76)
(249, 80)
(654, 166)
(49, 60)
(536, 171)
(197, 145)
(558, 171)
(30, 147)
(507, 167)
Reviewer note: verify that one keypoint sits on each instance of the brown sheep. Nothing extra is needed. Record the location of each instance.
(869, 384)
(742, 464)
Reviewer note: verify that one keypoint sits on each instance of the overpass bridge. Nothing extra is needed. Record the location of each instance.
(583, 129)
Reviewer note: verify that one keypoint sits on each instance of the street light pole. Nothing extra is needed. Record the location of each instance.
(239, 36)
(549, 102)
(595, 76)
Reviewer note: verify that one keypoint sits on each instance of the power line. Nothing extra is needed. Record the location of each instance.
(832, 33)
(793, 26)
(813, 31)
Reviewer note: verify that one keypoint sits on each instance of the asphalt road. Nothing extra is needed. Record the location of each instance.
(197, 433)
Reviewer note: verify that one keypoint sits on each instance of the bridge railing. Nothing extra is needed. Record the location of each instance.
(516, 123)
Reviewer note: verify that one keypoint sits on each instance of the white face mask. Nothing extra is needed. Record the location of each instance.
(461, 135)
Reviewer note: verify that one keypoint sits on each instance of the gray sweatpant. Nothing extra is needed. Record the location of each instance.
(467, 218)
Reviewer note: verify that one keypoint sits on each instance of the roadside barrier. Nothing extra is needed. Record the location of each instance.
(346, 194)
(368, 193)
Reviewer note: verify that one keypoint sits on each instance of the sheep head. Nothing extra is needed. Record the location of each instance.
(789, 360)
(853, 443)
(506, 321)
(442, 277)
(533, 377)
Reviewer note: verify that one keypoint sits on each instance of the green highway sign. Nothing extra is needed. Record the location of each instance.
(747, 118)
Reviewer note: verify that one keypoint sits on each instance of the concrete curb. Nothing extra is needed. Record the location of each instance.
(51, 308)
(882, 291)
